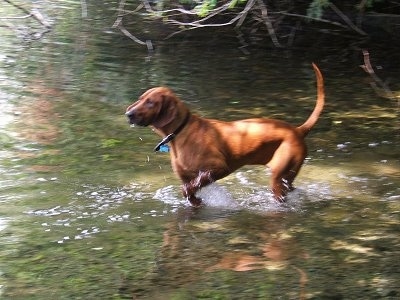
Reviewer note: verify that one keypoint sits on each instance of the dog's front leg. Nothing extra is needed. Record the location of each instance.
(190, 188)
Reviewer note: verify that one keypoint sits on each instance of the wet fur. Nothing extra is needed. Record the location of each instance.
(206, 150)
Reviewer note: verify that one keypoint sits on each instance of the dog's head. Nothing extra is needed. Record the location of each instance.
(157, 107)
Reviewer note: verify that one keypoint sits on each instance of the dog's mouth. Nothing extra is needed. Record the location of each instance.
(138, 119)
(138, 124)
(135, 122)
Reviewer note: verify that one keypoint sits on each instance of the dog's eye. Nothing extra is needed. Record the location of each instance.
(149, 103)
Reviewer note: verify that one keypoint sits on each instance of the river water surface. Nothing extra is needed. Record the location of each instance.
(89, 211)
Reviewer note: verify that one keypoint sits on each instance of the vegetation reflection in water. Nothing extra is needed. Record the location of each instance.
(85, 231)
(88, 211)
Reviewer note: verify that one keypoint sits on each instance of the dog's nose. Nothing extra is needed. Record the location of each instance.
(130, 114)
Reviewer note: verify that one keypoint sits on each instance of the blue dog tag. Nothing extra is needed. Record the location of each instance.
(164, 148)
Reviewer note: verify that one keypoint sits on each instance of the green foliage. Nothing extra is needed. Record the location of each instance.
(204, 8)
(110, 143)
(234, 3)
(368, 3)
(316, 8)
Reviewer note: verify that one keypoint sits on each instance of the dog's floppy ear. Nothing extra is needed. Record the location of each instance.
(167, 113)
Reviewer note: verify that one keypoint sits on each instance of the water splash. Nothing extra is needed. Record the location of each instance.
(247, 195)
(102, 205)
(99, 205)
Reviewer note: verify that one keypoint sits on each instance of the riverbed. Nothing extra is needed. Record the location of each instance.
(89, 211)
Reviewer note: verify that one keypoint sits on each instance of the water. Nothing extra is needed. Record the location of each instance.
(89, 211)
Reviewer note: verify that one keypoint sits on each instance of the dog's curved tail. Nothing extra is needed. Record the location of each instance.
(305, 128)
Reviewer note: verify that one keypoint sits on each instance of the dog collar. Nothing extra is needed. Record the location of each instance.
(161, 146)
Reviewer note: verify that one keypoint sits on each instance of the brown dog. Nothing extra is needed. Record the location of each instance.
(205, 150)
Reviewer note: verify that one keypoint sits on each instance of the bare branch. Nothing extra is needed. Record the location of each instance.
(27, 33)
(311, 18)
(39, 17)
(18, 6)
(118, 21)
(180, 10)
(346, 19)
(232, 13)
(16, 18)
(267, 21)
(201, 22)
(118, 24)
(33, 13)
(377, 84)
(129, 35)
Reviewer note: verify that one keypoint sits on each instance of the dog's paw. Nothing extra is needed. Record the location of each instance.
(196, 202)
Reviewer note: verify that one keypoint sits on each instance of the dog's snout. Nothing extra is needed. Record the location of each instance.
(130, 114)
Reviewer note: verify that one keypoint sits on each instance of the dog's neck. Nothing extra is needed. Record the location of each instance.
(171, 136)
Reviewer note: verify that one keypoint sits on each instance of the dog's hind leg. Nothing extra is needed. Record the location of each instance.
(283, 171)
(278, 186)
(291, 174)
(295, 164)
